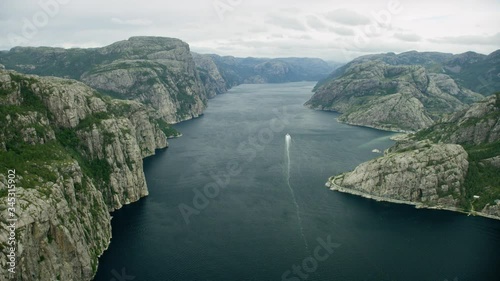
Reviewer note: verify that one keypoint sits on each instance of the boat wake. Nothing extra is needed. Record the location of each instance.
(288, 140)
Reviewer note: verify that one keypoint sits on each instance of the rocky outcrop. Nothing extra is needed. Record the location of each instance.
(388, 97)
(77, 156)
(159, 72)
(478, 124)
(428, 174)
(432, 169)
(62, 227)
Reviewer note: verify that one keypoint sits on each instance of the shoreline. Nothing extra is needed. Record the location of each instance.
(417, 205)
(392, 130)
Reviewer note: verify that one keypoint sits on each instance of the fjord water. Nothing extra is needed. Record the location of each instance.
(257, 229)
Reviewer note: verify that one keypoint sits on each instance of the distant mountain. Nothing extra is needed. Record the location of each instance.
(408, 91)
(159, 72)
(477, 72)
(471, 70)
(370, 92)
(452, 165)
(235, 71)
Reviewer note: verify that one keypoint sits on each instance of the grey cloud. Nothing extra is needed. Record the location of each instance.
(340, 30)
(287, 23)
(347, 17)
(470, 40)
(196, 22)
(258, 30)
(315, 23)
(408, 37)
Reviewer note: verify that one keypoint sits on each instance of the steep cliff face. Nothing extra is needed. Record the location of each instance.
(451, 165)
(159, 72)
(77, 156)
(63, 224)
(212, 79)
(397, 98)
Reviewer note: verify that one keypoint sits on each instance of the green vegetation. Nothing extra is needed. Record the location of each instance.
(167, 129)
(483, 179)
(99, 169)
(50, 238)
(94, 119)
(34, 164)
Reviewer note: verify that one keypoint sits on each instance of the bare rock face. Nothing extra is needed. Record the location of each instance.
(63, 226)
(212, 79)
(391, 97)
(114, 141)
(159, 72)
(431, 174)
(68, 101)
(78, 156)
(478, 124)
(432, 169)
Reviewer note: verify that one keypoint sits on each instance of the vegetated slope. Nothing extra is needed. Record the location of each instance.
(77, 155)
(451, 165)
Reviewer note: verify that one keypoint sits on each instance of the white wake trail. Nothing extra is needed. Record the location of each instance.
(288, 140)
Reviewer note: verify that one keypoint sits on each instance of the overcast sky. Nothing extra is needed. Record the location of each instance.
(329, 29)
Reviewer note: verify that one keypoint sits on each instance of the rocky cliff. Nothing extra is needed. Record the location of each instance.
(427, 174)
(391, 97)
(475, 125)
(159, 72)
(210, 75)
(77, 156)
(451, 165)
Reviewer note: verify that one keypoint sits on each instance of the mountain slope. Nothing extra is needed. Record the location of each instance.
(391, 97)
(470, 70)
(77, 155)
(451, 165)
(159, 72)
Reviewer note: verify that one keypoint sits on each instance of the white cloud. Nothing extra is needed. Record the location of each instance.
(315, 23)
(287, 23)
(340, 30)
(493, 40)
(136, 22)
(408, 37)
(347, 17)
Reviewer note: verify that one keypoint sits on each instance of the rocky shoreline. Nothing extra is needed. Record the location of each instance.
(332, 186)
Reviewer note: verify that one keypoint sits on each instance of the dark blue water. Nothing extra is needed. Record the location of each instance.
(251, 229)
